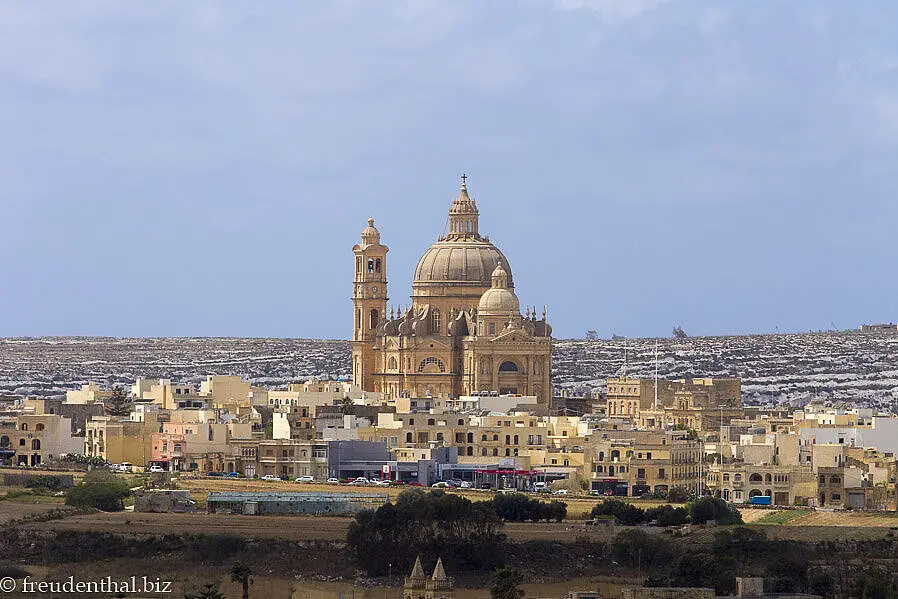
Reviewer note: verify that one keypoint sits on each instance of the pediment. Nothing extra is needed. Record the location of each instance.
(512, 336)
(434, 343)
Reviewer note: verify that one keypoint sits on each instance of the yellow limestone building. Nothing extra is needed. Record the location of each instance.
(464, 332)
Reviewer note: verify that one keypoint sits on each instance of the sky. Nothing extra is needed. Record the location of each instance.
(204, 168)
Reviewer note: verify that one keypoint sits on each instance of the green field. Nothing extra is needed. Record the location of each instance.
(781, 517)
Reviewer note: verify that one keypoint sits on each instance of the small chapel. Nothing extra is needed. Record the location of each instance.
(419, 586)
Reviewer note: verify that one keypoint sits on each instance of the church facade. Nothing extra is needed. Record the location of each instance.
(464, 331)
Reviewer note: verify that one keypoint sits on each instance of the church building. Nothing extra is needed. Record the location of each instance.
(464, 332)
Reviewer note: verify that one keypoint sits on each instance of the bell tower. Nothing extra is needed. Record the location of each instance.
(369, 302)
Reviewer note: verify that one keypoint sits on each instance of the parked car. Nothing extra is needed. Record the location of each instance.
(560, 492)
(382, 483)
(154, 469)
(270, 477)
(305, 479)
(442, 485)
(360, 481)
(213, 473)
(464, 485)
(333, 481)
(233, 475)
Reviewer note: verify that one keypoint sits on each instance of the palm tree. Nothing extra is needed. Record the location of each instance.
(241, 573)
(507, 584)
(346, 404)
(209, 591)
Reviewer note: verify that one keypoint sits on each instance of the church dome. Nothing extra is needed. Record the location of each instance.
(462, 257)
(460, 262)
(499, 299)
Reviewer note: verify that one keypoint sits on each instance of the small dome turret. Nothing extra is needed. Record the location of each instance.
(499, 299)
(370, 234)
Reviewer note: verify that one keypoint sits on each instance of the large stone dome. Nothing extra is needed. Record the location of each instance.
(460, 262)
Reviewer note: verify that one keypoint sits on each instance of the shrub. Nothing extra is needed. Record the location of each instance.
(713, 508)
(667, 515)
(517, 507)
(463, 532)
(100, 490)
(623, 513)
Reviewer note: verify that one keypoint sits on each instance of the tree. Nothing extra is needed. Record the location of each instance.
(462, 531)
(713, 508)
(241, 574)
(209, 591)
(507, 584)
(592, 335)
(624, 513)
(99, 490)
(118, 404)
(346, 405)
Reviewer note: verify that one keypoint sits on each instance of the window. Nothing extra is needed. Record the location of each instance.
(370, 264)
(39, 427)
(660, 473)
(373, 319)
(492, 328)
(435, 320)
(35, 444)
(431, 365)
(508, 366)
(393, 364)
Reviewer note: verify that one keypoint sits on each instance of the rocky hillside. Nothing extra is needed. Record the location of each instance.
(854, 367)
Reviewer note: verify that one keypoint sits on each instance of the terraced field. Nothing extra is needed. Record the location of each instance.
(849, 366)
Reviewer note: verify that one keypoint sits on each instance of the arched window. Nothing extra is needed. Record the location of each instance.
(370, 264)
(24, 426)
(40, 426)
(495, 451)
(431, 365)
(508, 439)
(35, 445)
(483, 451)
(495, 437)
(377, 265)
(755, 478)
(373, 318)
(435, 320)
(431, 421)
(408, 437)
(461, 422)
(508, 366)
(515, 439)
(470, 451)
(601, 456)
(4, 442)
(470, 437)
(393, 364)
(483, 437)
(21, 442)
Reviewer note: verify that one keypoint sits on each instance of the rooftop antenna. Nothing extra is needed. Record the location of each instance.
(626, 357)
(656, 374)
